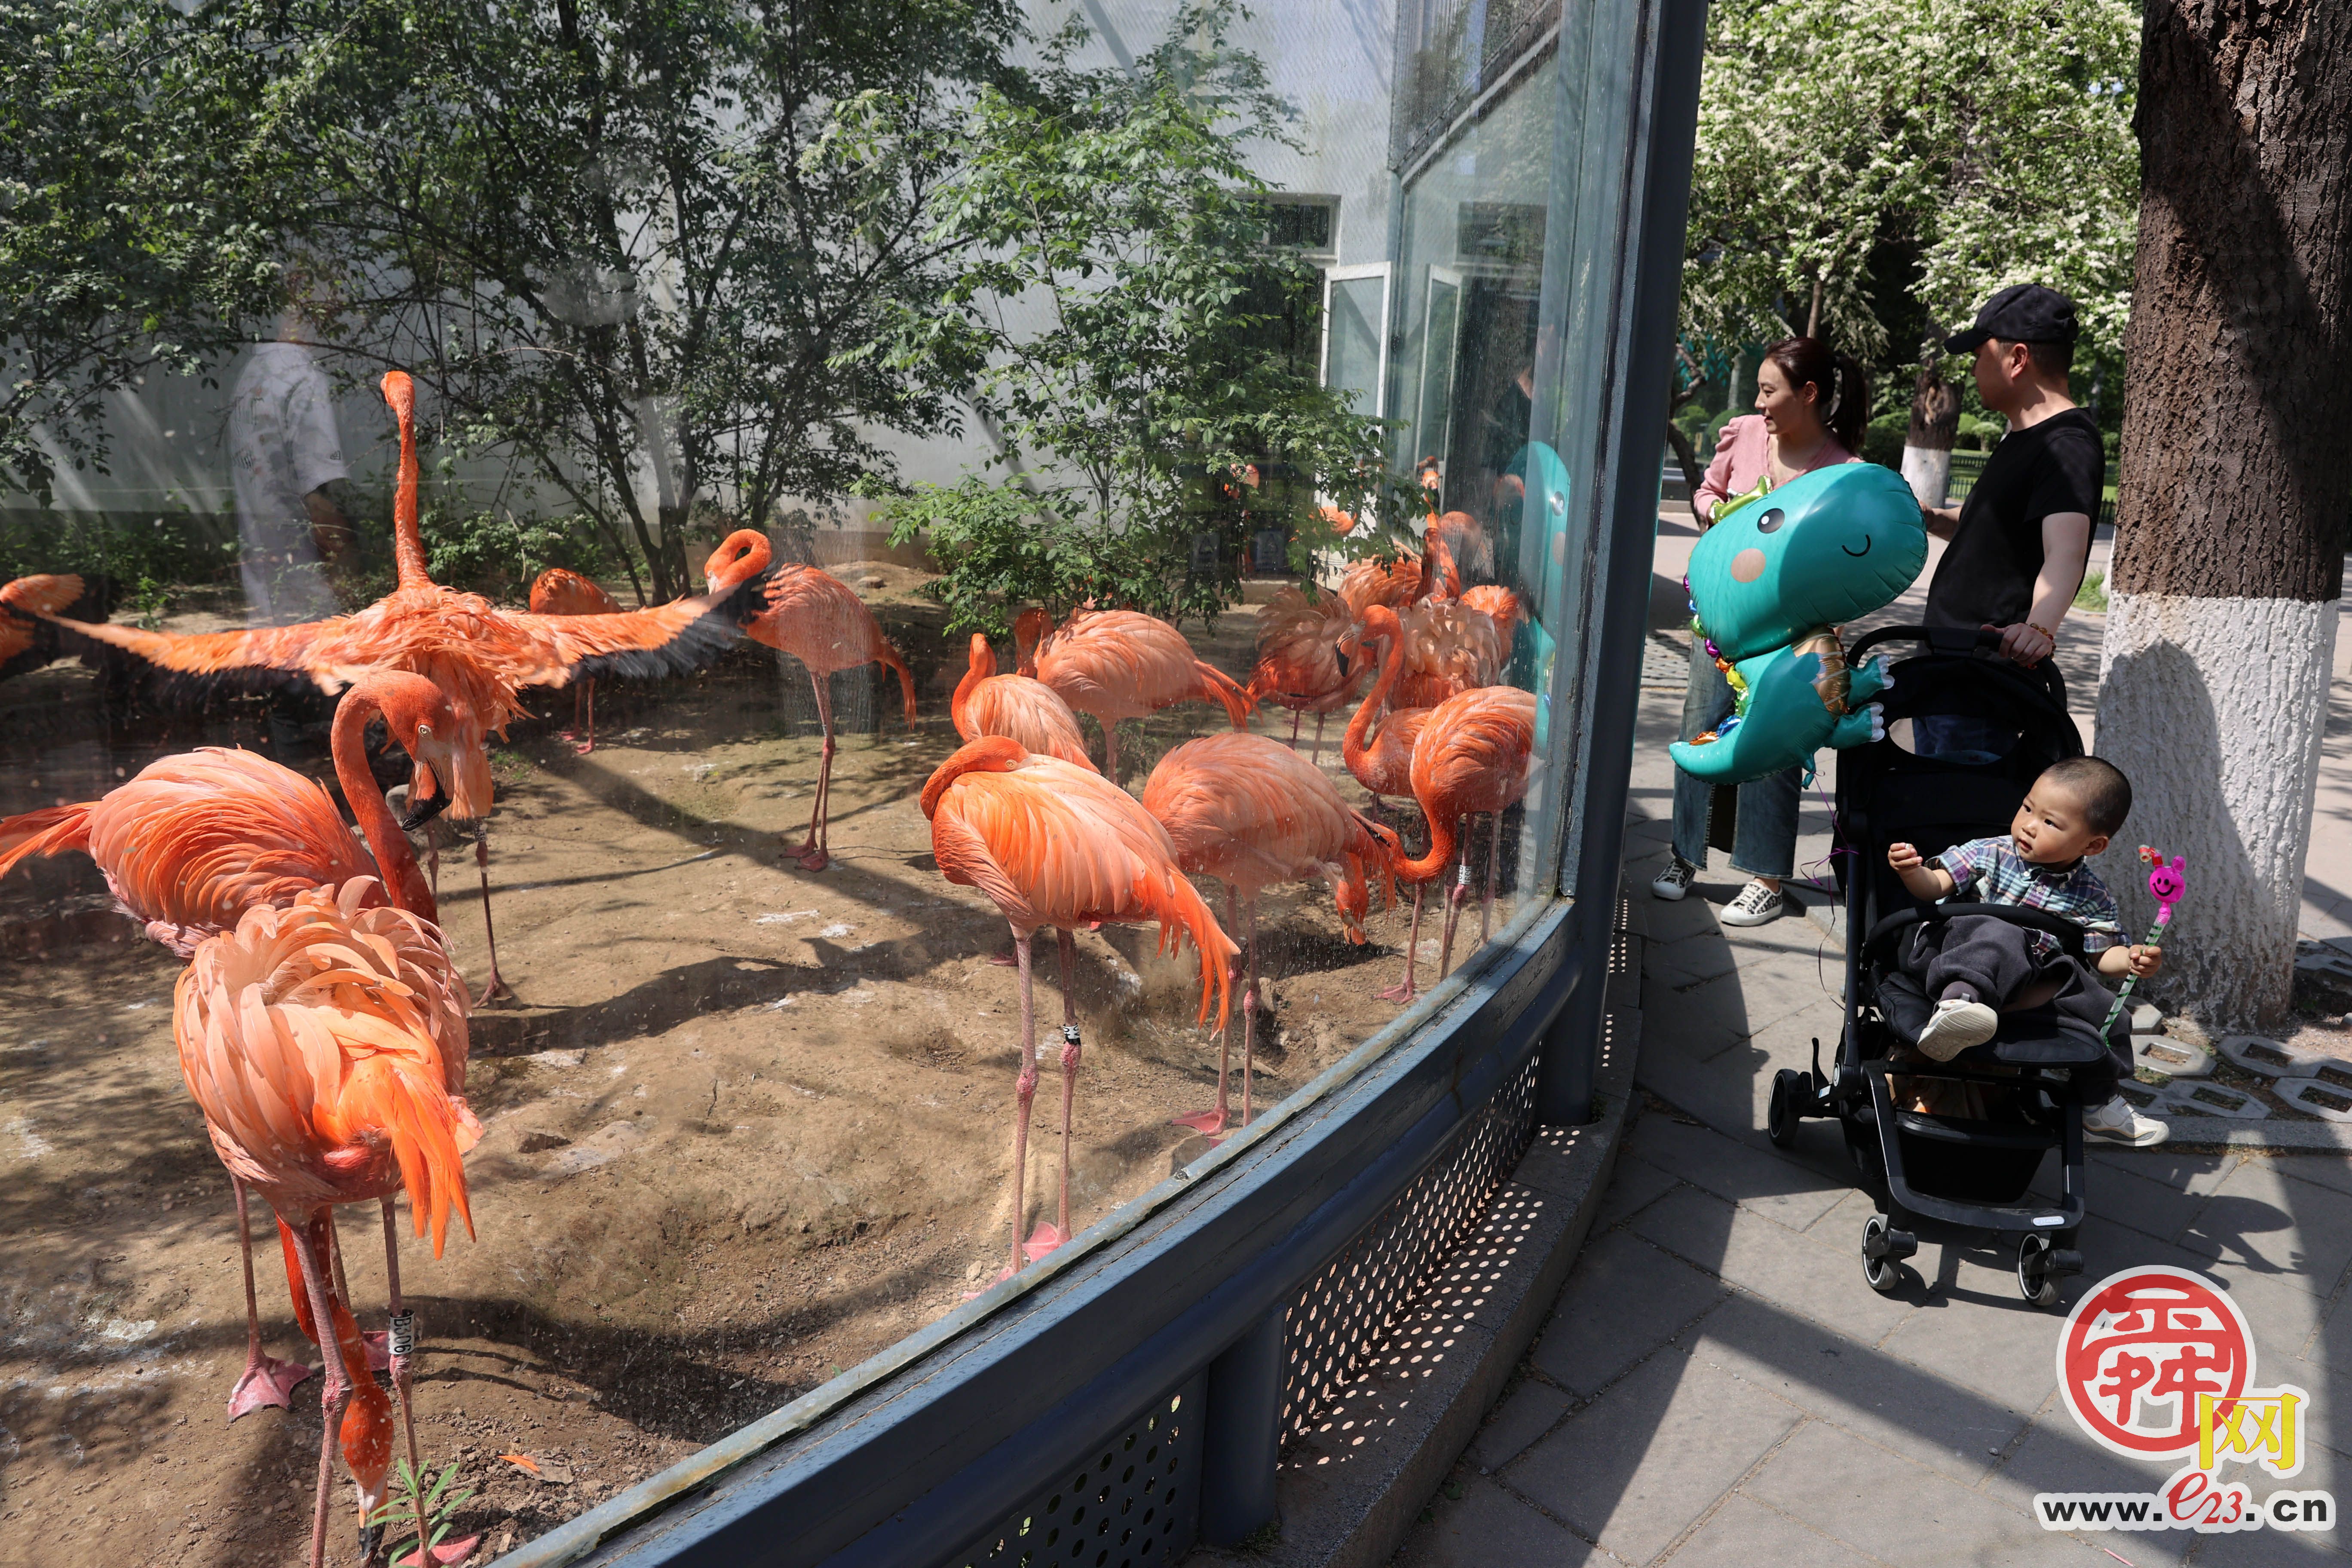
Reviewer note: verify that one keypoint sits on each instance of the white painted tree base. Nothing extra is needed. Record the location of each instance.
(2215, 710)
(1928, 472)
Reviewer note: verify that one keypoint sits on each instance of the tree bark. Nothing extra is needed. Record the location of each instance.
(1934, 425)
(2229, 548)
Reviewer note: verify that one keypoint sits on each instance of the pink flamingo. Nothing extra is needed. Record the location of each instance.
(1252, 812)
(1053, 843)
(560, 592)
(1502, 606)
(1300, 664)
(1117, 664)
(987, 703)
(1383, 763)
(1471, 757)
(813, 616)
(195, 840)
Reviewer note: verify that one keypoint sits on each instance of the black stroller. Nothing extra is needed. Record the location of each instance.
(1957, 1143)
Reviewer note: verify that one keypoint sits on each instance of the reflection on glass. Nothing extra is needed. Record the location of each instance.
(696, 973)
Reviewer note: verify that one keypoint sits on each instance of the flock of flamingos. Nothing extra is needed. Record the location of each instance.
(321, 1023)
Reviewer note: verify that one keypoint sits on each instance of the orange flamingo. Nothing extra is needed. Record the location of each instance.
(27, 642)
(1252, 812)
(813, 616)
(987, 703)
(1374, 582)
(321, 1042)
(196, 839)
(560, 592)
(1117, 664)
(1502, 606)
(1383, 763)
(478, 653)
(1053, 843)
(1300, 665)
(1472, 757)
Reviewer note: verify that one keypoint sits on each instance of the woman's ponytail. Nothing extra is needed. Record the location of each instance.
(1849, 410)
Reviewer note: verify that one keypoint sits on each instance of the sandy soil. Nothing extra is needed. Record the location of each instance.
(746, 1126)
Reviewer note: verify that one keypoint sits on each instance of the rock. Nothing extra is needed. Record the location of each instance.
(2146, 1018)
(874, 583)
(2189, 1029)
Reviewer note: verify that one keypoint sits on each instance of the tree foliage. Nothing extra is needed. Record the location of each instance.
(1992, 139)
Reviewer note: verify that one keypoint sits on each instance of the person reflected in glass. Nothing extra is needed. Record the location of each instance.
(1811, 404)
(285, 459)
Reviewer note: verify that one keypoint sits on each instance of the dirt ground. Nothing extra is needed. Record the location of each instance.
(746, 1126)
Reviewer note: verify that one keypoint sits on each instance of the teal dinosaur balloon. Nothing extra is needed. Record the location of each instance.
(1768, 583)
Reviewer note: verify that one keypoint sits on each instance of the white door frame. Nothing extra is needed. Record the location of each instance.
(1437, 441)
(1331, 274)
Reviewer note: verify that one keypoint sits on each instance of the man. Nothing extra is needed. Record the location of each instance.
(285, 453)
(2019, 541)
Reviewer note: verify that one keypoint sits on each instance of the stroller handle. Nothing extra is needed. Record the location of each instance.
(1938, 639)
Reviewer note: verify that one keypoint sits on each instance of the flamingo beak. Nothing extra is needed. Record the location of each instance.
(370, 1542)
(422, 811)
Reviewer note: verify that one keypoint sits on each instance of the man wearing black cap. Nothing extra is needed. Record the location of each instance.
(2019, 541)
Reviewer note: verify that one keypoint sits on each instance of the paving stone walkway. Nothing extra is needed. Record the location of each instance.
(1718, 1384)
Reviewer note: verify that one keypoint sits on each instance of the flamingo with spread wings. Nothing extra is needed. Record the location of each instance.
(478, 653)
(813, 616)
(1117, 664)
(559, 591)
(1053, 843)
(1025, 709)
(1252, 812)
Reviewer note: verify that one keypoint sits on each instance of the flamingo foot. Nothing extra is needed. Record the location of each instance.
(1206, 1122)
(379, 1348)
(812, 858)
(1399, 994)
(1004, 961)
(1042, 1240)
(266, 1381)
(447, 1553)
(497, 990)
(584, 748)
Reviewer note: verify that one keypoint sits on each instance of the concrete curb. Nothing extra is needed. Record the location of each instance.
(1352, 1490)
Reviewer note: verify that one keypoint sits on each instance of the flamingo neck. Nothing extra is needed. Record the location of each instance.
(1359, 729)
(983, 666)
(394, 858)
(407, 536)
(1440, 848)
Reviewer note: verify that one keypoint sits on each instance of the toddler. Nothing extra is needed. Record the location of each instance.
(1975, 967)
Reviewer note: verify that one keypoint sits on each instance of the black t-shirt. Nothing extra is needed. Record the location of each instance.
(1987, 574)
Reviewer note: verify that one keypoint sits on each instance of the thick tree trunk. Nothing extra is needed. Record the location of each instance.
(2229, 548)
(1935, 424)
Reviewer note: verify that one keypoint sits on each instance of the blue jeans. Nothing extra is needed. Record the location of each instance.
(1764, 843)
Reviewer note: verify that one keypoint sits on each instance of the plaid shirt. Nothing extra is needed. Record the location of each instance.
(2004, 877)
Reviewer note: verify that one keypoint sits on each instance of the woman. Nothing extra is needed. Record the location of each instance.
(1810, 407)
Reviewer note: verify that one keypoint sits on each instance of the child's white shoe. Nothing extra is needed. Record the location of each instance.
(1956, 1026)
(2119, 1122)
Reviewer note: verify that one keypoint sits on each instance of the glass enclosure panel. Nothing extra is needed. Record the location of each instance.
(800, 761)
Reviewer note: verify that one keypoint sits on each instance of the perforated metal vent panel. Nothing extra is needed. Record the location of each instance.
(1134, 1504)
(1338, 1323)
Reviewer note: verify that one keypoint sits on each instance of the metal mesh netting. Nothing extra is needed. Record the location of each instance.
(1338, 1321)
(1131, 1504)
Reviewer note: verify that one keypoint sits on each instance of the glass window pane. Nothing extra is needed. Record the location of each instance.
(1358, 312)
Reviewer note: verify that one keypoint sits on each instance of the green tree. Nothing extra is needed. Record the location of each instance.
(1114, 320)
(609, 236)
(128, 245)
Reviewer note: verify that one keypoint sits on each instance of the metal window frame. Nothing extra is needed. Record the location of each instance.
(1352, 273)
(914, 1457)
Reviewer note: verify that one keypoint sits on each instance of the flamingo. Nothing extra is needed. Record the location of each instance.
(1471, 757)
(1299, 663)
(1250, 812)
(1449, 649)
(475, 651)
(1117, 664)
(1502, 606)
(195, 840)
(560, 592)
(1053, 843)
(321, 1042)
(1383, 763)
(813, 616)
(1373, 582)
(26, 642)
(1026, 710)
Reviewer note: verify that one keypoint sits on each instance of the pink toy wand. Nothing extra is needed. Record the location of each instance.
(2164, 884)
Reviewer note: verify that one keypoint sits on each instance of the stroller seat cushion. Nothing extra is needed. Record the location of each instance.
(2029, 1037)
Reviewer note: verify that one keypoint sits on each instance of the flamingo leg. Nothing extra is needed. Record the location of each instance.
(1315, 752)
(403, 1342)
(1110, 750)
(1249, 1013)
(1212, 1122)
(267, 1380)
(1295, 715)
(1403, 992)
(1024, 1093)
(1046, 1237)
(1494, 865)
(497, 990)
(584, 694)
(812, 852)
(312, 1243)
(433, 858)
(1454, 897)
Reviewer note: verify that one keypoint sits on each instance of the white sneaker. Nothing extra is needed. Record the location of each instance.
(2119, 1122)
(1755, 904)
(1956, 1026)
(1675, 879)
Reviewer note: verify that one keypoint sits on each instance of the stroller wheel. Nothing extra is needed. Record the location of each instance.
(1884, 1248)
(2037, 1280)
(1792, 1092)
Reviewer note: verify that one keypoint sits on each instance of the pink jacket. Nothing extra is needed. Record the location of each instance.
(1740, 455)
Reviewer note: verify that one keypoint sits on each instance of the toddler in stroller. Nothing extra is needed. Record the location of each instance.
(1976, 967)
